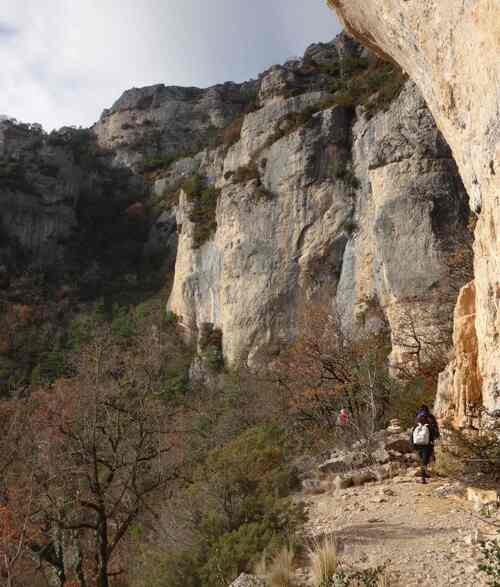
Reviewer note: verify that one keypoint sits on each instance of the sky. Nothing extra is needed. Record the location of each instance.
(64, 61)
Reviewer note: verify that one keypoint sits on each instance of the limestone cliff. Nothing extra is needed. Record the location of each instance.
(320, 203)
(145, 123)
(324, 181)
(451, 48)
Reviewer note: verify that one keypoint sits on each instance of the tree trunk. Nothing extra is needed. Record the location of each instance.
(102, 554)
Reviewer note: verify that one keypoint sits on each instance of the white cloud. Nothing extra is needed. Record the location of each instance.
(63, 61)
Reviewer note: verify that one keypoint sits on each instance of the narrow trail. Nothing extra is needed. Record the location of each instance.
(423, 536)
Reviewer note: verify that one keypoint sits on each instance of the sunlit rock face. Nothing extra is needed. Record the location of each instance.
(450, 48)
(372, 244)
(310, 200)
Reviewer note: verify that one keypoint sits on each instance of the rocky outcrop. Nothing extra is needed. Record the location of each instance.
(411, 239)
(460, 384)
(145, 123)
(450, 48)
(65, 208)
(319, 204)
(279, 233)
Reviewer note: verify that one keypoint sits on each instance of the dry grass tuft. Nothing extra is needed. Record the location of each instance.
(323, 557)
(280, 571)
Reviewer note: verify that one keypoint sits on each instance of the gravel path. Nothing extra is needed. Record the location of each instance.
(423, 537)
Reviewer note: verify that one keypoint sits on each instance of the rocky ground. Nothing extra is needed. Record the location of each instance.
(425, 534)
(370, 498)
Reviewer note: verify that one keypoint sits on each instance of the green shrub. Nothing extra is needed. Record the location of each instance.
(165, 160)
(124, 324)
(192, 185)
(175, 381)
(80, 331)
(372, 86)
(252, 477)
(491, 565)
(248, 173)
(171, 318)
(153, 163)
(203, 211)
(52, 365)
(350, 65)
(238, 551)
(240, 506)
(155, 567)
(338, 167)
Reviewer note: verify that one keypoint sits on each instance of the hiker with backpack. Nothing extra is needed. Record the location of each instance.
(423, 410)
(423, 436)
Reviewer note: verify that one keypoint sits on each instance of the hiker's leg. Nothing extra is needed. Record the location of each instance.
(426, 454)
(421, 457)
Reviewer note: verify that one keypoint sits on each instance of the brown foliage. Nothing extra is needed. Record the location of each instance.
(99, 452)
(424, 333)
(324, 371)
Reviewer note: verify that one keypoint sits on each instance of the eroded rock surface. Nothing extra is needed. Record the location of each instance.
(271, 196)
(363, 215)
(144, 122)
(450, 48)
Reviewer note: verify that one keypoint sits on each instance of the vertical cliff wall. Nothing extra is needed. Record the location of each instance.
(451, 48)
(319, 202)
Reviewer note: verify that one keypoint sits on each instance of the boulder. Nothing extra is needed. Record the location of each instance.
(343, 482)
(343, 461)
(399, 442)
(314, 486)
(483, 498)
(381, 455)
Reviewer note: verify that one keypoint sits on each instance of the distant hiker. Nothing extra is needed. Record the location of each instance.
(343, 418)
(423, 436)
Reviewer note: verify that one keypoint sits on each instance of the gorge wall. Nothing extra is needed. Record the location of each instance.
(318, 202)
(450, 49)
(325, 181)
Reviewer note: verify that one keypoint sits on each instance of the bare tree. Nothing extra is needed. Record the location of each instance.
(422, 334)
(324, 371)
(103, 452)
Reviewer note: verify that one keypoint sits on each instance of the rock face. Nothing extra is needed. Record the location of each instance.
(462, 376)
(146, 122)
(320, 204)
(65, 208)
(271, 196)
(450, 49)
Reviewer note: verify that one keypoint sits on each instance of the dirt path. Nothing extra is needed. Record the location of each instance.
(423, 537)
